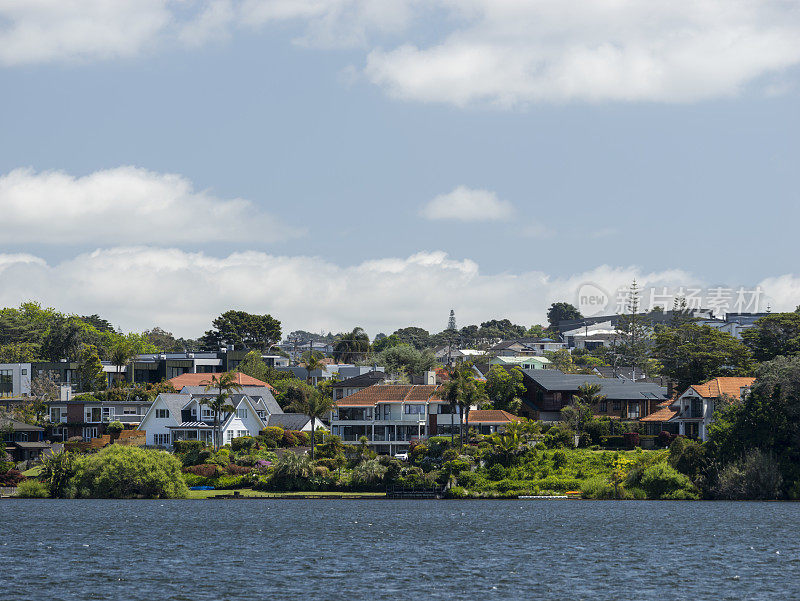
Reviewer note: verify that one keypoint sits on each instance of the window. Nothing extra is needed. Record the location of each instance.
(633, 411)
(241, 413)
(58, 415)
(616, 405)
(162, 413)
(6, 383)
(24, 372)
(603, 406)
(92, 415)
(108, 414)
(89, 433)
(161, 440)
(415, 409)
(129, 411)
(206, 413)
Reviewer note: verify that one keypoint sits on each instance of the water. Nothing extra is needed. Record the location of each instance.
(407, 550)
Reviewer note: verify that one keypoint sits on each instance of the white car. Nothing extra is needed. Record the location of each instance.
(401, 456)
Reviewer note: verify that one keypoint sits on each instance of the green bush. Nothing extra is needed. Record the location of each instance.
(196, 480)
(496, 472)
(229, 482)
(456, 492)
(272, 436)
(115, 427)
(369, 473)
(661, 479)
(243, 444)
(32, 489)
(597, 488)
(119, 472)
(559, 436)
(188, 446)
(757, 476)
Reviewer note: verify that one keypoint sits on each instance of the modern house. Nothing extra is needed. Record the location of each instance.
(88, 418)
(345, 388)
(694, 409)
(20, 440)
(523, 362)
(393, 415)
(548, 391)
(448, 356)
(525, 347)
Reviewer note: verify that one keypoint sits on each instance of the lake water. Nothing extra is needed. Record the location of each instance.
(407, 550)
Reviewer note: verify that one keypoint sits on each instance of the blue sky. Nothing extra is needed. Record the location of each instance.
(339, 122)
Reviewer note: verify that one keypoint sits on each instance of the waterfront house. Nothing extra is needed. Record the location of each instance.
(87, 417)
(694, 409)
(203, 380)
(548, 391)
(183, 416)
(352, 385)
(525, 347)
(20, 440)
(295, 421)
(489, 421)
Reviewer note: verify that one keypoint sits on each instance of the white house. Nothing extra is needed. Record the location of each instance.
(695, 407)
(180, 416)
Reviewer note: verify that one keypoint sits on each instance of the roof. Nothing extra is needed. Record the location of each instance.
(255, 393)
(388, 393)
(203, 379)
(192, 425)
(730, 386)
(288, 421)
(664, 413)
(363, 380)
(613, 388)
(31, 445)
(174, 402)
(492, 416)
(19, 426)
(522, 359)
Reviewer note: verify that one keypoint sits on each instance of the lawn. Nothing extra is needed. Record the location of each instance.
(246, 492)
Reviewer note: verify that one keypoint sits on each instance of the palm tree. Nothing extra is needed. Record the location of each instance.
(121, 355)
(312, 403)
(352, 346)
(472, 394)
(451, 392)
(313, 362)
(225, 384)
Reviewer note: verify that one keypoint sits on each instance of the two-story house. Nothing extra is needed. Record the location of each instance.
(88, 418)
(694, 409)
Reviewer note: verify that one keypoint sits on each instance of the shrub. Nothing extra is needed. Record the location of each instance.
(32, 489)
(613, 442)
(559, 436)
(496, 472)
(559, 459)
(238, 470)
(631, 439)
(757, 476)
(291, 471)
(369, 473)
(221, 458)
(456, 492)
(686, 456)
(128, 472)
(456, 466)
(206, 470)
(228, 482)
(11, 477)
(115, 427)
(243, 443)
(195, 480)
(188, 446)
(449, 455)
(597, 488)
(289, 439)
(665, 438)
(272, 436)
(661, 479)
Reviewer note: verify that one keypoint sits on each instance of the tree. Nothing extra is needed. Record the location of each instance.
(450, 391)
(225, 384)
(313, 404)
(19, 352)
(407, 360)
(691, 354)
(43, 390)
(472, 393)
(352, 346)
(632, 349)
(505, 389)
(581, 411)
(381, 344)
(501, 329)
(561, 360)
(562, 312)
(242, 330)
(91, 376)
(416, 337)
(312, 361)
(774, 335)
(121, 355)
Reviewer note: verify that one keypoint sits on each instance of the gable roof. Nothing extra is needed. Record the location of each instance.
(19, 426)
(173, 401)
(730, 386)
(288, 421)
(492, 416)
(256, 393)
(663, 413)
(189, 379)
(388, 393)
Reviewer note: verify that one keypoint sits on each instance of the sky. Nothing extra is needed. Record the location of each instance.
(342, 163)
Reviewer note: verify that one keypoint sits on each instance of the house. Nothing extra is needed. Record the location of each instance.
(183, 416)
(295, 421)
(489, 421)
(526, 347)
(88, 417)
(263, 401)
(523, 362)
(694, 409)
(352, 385)
(20, 440)
(450, 356)
(660, 420)
(204, 379)
(548, 391)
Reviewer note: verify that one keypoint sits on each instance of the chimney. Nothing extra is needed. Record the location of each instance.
(429, 377)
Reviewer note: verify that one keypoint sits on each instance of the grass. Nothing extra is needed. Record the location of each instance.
(247, 492)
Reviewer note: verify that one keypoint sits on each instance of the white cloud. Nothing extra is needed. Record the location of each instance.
(126, 205)
(511, 52)
(499, 52)
(139, 287)
(468, 204)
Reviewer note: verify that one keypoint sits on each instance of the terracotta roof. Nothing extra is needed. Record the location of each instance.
(723, 386)
(388, 393)
(492, 416)
(664, 413)
(203, 379)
